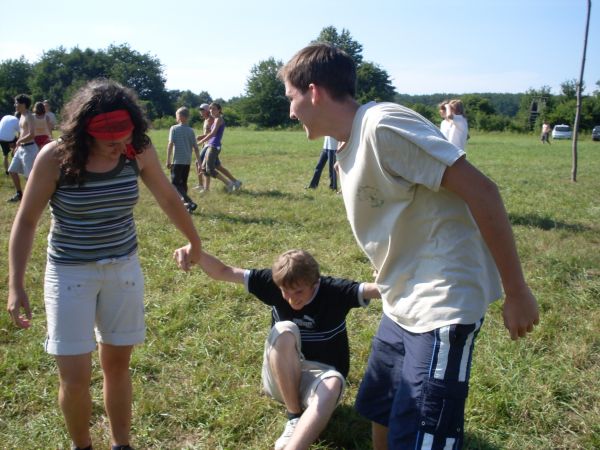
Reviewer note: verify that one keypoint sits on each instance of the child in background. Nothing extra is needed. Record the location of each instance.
(182, 140)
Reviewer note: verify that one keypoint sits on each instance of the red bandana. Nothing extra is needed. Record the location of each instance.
(109, 126)
(112, 125)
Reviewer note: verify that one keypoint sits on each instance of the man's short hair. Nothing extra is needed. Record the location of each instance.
(23, 99)
(183, 112)
(295, 267)
(323, 65)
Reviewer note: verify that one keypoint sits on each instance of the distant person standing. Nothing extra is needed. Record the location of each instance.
(458, 132)
(50, 115)
(206, 127)
(445, 123)
(213, 141)
(27, 149)
(42, 125)
(545, 136)
(9, 128)
(330, 146)
(182, 140)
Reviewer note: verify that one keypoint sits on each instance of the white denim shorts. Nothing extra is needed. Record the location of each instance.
(313, 372)
(105, 298)
(23, 159)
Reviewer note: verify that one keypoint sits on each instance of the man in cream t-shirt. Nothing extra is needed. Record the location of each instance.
(436, 231)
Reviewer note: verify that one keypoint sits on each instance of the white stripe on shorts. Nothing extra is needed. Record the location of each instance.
(427, 443)
(464, 362)
(443, 352)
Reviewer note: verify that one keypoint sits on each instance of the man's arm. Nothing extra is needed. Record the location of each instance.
(486, 206)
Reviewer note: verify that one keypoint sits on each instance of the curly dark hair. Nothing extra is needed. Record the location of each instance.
(96, 97)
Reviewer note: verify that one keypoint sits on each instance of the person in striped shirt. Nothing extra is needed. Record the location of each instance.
(93, 287)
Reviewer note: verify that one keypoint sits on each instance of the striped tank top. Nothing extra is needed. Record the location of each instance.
(94, 221)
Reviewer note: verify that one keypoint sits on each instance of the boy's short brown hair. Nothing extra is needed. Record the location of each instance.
(295, 267)
(183, 112)
(324, 65)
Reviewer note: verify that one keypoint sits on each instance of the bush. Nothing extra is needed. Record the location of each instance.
(164, 122)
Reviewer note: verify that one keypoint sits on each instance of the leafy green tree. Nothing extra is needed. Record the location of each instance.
(59, 73)
(342, 41)
(265, 103)
(141, 72)
(14, 80)
(426, 111)
(539, 100)
(373, 83)
(569, 88)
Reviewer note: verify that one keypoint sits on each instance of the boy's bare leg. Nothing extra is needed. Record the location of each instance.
(315, 418)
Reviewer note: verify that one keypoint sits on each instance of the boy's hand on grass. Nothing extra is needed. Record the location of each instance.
(520, 313)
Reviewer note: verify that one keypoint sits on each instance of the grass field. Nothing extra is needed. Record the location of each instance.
(197, 377)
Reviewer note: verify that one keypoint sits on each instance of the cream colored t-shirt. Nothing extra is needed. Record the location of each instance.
(434, 267)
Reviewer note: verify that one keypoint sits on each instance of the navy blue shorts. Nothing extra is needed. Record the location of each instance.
(416, 384)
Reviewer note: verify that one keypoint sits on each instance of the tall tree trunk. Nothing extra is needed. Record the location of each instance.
(579, 84)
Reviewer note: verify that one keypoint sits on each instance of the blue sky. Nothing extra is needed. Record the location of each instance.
(426, 46)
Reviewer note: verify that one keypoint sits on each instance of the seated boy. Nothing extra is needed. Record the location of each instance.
(306, 357)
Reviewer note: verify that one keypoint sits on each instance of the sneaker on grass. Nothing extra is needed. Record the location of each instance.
(191, 207)
(285, 437)
(237, 185)
(15, 198)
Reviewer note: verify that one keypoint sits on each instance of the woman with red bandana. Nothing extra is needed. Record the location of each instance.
(93, 287)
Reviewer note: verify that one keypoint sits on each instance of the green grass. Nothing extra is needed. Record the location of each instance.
(197, 377)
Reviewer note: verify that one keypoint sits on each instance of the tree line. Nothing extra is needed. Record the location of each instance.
(60, 72)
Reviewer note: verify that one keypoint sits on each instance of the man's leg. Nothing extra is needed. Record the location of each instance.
(314, 182)
(117, 390)
(16, 181)
(74, 397)
(332, 172)
(379, 434)
(5, 151)
(428, 408)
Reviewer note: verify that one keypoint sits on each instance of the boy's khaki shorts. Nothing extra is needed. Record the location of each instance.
(313, 372)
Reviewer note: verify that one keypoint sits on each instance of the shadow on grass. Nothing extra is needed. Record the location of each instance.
(477, 442)
(347, 430)
(275, 193)
(267, 221)
(544, 223)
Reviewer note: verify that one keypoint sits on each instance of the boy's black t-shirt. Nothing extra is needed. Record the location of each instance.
(322, 322)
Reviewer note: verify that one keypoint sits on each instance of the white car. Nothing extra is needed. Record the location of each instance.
(562, 132)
